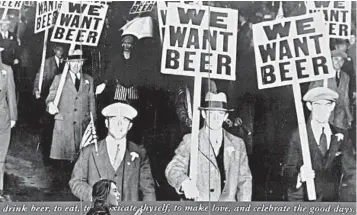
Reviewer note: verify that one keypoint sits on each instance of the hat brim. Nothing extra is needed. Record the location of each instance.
(81, 59)
(215, 109)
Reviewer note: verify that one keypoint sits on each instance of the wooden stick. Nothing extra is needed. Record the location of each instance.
(63, 78)
(43, 61)
(325, 83)
(5, 13)
(310, 184)
(195, 129)
(189, 105)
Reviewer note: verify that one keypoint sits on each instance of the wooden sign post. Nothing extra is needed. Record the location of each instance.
(192, 54)
(78, 24)
(291, 51)
(46, 14)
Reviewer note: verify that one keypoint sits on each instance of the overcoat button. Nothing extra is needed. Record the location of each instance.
(211, 190)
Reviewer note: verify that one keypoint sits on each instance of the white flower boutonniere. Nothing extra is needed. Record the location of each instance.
(86, 82)
(134, 155)
(3, 72)
(230, 150)
(339, 136)
(11, 37)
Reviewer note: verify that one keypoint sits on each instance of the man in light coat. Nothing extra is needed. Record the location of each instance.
(8, 117)
(116, 159)
(223, 173)
(72, 115)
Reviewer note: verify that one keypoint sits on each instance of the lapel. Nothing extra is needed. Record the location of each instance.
(70, 82)
(102, 161)
(127, 165)
(312, 142)
(334, 146)
(228, 151)
(81, 86)
(205, 147)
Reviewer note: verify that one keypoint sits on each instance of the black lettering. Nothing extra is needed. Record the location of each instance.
(317, 42)
(73, 7)
(212, 39)
(193, 39)
(58, 34)
(192, 15)
(217, 17)
(75, 21)
(187, 61)
(86, 22)
(96, 23)
(269, 51)
(17, 4)
(172, 56)
(344, 15)
(38, 23)
(343, 30)
(278, 28)
(319, 62)
(325, 4)
(223, 61)
(302, 46)
(285, 50)
(92, 37)
(205, 60)
(332, 29)
(163, 16)
(65, 19)
(40, 8)
(334, 15)
(300, 69)
(177, 36)
(268, 76)
(94, 10)
(69, 34)
(338, 4)
(302, 26)
(283, 71)
(225, 40)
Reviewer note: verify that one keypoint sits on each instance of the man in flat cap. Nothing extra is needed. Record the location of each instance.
(117, 159)
(324, 143)
(223, 173)
(72, 115)
(341, 117)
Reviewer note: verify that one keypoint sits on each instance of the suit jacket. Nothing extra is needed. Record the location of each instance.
(342, 112)
(348, 183)
(238, 186)
(326, 168)
(11, 48)
(133, 177)
(73, 117)
(8, 105)
(49, 73)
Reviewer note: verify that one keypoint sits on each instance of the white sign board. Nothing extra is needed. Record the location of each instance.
(292, 50)
(46, 14)
(11, 4)
(200, 41)
(142, 6)
(337, 16)
(80, 23)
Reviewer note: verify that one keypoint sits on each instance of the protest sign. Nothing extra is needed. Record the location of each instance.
(80, 23)
(200, 42)
(46, 14)
(16, 5)
(29, 3)
(337, 16)
(142, 6)
(292, 50)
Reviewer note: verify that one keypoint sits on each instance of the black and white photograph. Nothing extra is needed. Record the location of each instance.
(107, 102)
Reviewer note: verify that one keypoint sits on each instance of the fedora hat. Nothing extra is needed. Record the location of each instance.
(215, 101)
(120, 109)
(75, 55)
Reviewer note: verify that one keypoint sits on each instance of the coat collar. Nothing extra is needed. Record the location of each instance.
(71, 85)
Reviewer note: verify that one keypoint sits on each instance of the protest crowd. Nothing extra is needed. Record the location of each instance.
(113, 96)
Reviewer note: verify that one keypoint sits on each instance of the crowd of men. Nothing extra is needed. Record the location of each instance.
(224, 155)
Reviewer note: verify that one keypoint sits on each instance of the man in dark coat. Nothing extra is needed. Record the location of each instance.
(116, 159)
(324, 143)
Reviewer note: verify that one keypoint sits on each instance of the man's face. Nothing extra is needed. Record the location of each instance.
(114, 196)
(321, 110)
(5, 27)
(337, 62)
(118, 126)
(214, 118)
(75, 65)
(59, 52)
(343, 47)
(127, 45)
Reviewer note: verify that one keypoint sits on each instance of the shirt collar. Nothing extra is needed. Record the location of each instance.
(317, 127)
(111, 140)
(74, 76)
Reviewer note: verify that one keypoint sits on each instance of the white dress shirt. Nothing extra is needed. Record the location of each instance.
(74, 76)
(215, 140)
(112, 147)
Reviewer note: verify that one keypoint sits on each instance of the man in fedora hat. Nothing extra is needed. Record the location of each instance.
(223, 173)
(341, 117)
(73, 112)
(324, 143)
(117, 159)
(8, 117)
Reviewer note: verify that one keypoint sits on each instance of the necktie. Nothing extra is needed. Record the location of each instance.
(78, 82)
(337, 79)
(117, 161)
(323, 142)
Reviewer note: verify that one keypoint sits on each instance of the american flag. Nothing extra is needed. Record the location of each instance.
(90, 135)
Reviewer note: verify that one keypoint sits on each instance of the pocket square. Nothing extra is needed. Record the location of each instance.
(338, 154)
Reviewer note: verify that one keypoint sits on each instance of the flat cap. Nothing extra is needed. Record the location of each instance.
(339, 53)
(320, 93)
(120, 109)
